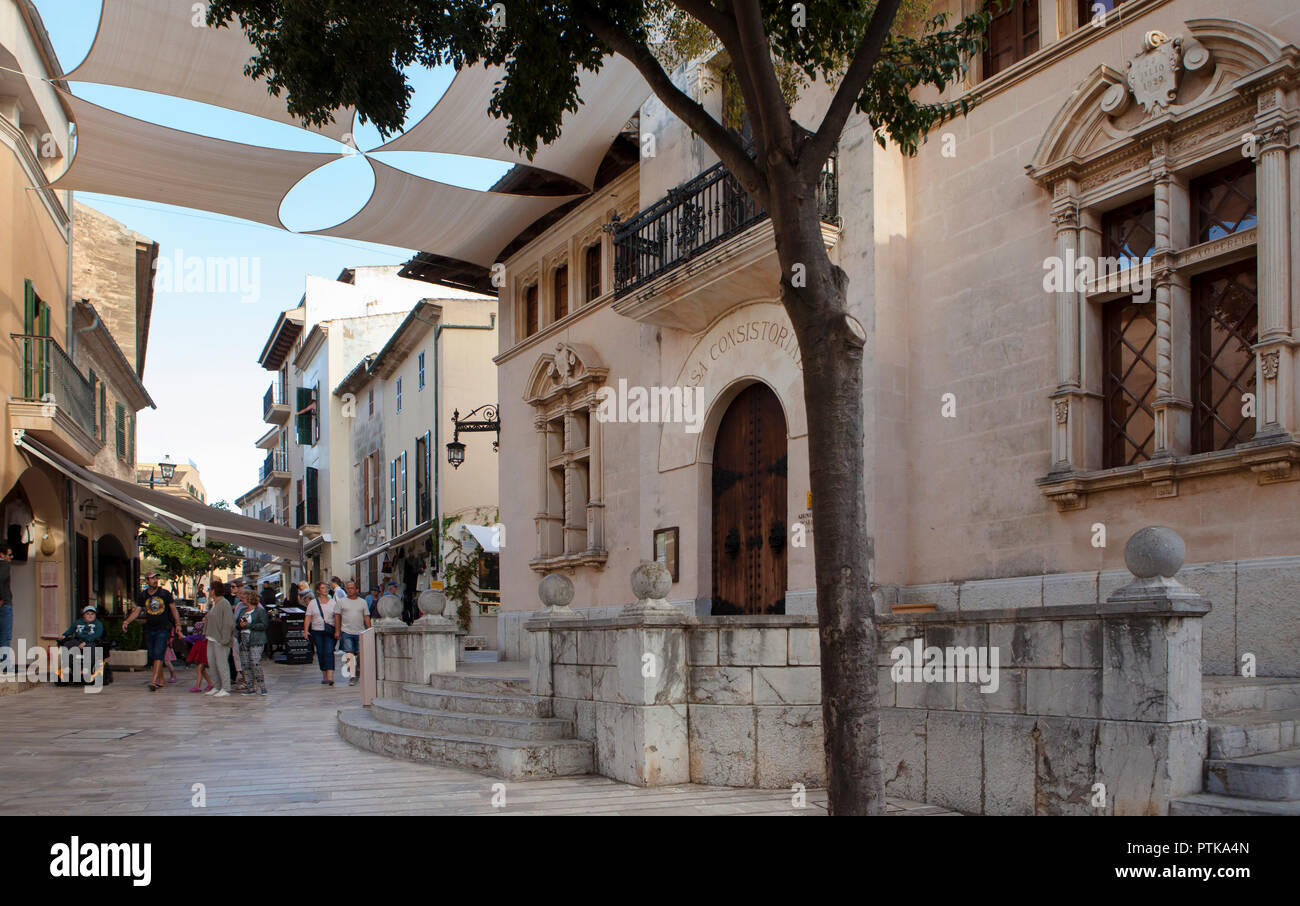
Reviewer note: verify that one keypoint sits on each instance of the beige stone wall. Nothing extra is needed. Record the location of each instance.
(104, 272)
(977, 323)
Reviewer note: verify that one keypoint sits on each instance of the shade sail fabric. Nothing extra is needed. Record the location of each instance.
(176, 514)
(460, 124)
(486, 536)
(121, 155)
(155, 45)
(413, 212)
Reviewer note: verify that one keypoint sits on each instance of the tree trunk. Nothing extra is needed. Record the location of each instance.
(832, 351)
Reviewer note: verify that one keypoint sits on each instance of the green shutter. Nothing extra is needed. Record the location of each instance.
(119, 421)
(29, 327)
(94, 389)
(130, 439)
(103, 413)
(303, 424)
(313, 488)
(392, 498)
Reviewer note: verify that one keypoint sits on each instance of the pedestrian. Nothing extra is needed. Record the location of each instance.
(252, 640)
(198, 656)
(6, 605)
(336, 588)
(354, 619)
(170, 654)
(219, 630)
(160, 616)
(322, 627)
(87, 630)
(239, 602)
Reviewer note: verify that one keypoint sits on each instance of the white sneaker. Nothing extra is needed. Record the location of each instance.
(220, 694)
(212, 691)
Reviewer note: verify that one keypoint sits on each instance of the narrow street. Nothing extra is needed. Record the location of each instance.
(125, 751)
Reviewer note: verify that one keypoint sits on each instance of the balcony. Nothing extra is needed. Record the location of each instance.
(704, 246)
(275, 469)
(306, 516)
(56, 404)
(274, 408)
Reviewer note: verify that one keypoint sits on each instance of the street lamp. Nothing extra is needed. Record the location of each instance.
(490, 421)
(168, 468)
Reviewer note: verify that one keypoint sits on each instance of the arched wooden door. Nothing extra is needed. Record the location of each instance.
(749, 527)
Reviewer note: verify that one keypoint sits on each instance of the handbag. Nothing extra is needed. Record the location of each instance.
(328, 624)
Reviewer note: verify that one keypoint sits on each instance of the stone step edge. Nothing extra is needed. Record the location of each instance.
(1253, 718)
(358, 718)
(1234, 804)
(480, 678)
(417, 689)
(396, 704)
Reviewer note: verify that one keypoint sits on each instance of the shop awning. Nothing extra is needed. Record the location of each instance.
(415, 534)
(175, 514)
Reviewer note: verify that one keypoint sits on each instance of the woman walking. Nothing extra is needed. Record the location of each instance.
(219, 630)
(252, 639)
(321, 626)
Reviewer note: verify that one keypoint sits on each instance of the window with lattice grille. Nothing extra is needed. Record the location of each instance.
(1129, 330)
(1224, 201)
(1224, 328)
(1129, 232)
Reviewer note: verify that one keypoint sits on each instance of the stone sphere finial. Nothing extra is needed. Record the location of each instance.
(390, 607)
(431, 602)
(651, 580)
(555, 590)
(1156, 550)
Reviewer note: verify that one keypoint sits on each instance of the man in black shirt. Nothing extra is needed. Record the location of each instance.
(160, 617)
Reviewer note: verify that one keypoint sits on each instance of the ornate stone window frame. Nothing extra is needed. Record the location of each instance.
(1246, 99)
(562, 387)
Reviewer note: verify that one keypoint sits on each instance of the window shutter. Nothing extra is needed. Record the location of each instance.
(94, 414)
(303, 422)
(404, 500)
(392, 498)
(315, 413)
(119, 422)
(428, 477)
(103, 414)
(130, 439)
(374, 487)
(365, 491)
(313, 480)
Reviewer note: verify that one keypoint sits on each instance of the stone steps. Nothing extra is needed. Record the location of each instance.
(1221, 695)
(477, 702)
(510, 759)
(481, 657)
(483, 685)
(1214, 804)
(1244, 733)
(400, 714)
(1273, 776)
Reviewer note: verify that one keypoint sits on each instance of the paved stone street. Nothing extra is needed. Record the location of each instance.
(131, 752)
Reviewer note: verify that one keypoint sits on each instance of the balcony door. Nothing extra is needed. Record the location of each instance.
(749, 506)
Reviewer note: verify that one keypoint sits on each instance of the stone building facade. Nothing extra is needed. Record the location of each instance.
(1019, 427)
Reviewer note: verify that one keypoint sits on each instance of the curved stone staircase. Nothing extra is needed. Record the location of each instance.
(491, 724)
(1253, 764)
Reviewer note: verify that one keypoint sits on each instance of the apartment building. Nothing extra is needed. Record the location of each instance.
(405, 493)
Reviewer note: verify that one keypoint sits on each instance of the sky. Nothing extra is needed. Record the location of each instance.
(201, 367)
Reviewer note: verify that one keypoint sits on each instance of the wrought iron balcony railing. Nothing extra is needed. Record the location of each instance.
(276, 461)
(274, 397)
(695, 217)
(50, 377)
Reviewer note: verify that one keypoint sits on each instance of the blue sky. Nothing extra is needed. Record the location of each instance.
(202, 366)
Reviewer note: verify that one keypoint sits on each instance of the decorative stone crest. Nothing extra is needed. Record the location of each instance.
(1153, 75)
(1268, 363)
(1062, 412)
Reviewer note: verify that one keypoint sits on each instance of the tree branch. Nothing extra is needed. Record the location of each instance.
(723, 143)
(818, 148)
(756, 54)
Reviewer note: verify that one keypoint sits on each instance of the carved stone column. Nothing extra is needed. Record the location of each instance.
(542, 517)
(1067, 400)
(595, 505)
(1274, 351)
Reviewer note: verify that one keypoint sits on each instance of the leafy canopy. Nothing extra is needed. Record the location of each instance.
(328, 54)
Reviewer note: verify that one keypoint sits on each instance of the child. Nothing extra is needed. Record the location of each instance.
(169, 655)
(87, 630)
(198, 656)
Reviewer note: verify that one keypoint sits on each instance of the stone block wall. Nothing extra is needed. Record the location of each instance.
(1104, 695)
(753, 690)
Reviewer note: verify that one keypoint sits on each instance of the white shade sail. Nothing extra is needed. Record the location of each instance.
(413, 212)
(155, 45)
(121, 155)
(460, 124)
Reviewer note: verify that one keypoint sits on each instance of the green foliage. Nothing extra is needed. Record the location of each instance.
(131, 640)
(178, 558)
(333, 53)
(459, 569)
